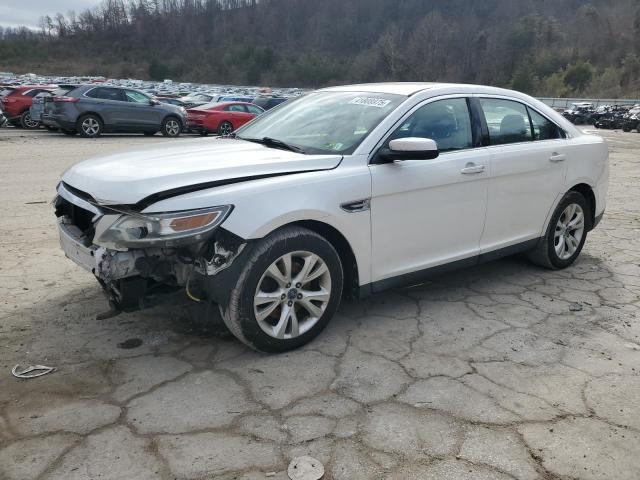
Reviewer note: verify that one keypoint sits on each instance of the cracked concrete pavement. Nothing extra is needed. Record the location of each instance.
(504, 371)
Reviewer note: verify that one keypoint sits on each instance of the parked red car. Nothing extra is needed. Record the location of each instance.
(221, 118)
(17, 103)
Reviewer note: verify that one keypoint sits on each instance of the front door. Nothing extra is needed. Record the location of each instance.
(427, 213)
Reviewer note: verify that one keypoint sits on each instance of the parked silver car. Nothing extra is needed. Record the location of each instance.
(91, 110)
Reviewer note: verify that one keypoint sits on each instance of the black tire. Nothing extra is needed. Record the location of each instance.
(68, 132)
(149, 134)
(171, 127)
(225, 128)
(626, 128)
(545, 253)
(27, 123)
(239, 315)
(90, 126)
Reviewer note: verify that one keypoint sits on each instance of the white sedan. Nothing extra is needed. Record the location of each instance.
(343, 192)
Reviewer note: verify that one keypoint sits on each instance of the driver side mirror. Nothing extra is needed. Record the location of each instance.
(410, 148)
(153, 102)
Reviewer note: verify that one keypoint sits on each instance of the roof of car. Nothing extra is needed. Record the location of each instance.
(398, 88)
(31, 87)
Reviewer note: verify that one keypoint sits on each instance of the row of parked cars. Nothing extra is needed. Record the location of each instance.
(625, 117)
(93, 109)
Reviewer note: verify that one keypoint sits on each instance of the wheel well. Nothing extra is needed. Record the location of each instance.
(587, 192)
(171, 115)
(84, 114)
(347, 257)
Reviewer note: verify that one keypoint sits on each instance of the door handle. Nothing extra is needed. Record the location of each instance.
(472, 168)
(558, 157)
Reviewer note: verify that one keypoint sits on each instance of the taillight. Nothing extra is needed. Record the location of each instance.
(65, 99)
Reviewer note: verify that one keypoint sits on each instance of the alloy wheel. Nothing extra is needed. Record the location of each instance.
(569, 231)
(226, 128)
(292, 295)
(30, 122)
(90, 126)
(172, 127)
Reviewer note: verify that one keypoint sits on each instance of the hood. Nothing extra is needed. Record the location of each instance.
(128, 178)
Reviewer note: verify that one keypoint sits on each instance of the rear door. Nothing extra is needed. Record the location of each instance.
(238, 114)
(528, 170)
(110, 103)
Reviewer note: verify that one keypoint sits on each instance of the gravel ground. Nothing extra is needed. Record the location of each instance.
(499, 372)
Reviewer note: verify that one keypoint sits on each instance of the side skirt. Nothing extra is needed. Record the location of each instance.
(414, 278)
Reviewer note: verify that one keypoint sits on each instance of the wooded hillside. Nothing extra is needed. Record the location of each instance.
(545, 47)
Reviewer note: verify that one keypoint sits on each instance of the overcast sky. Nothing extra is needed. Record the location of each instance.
(15, 13)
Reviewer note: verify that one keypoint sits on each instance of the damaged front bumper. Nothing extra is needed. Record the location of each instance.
(135, 278)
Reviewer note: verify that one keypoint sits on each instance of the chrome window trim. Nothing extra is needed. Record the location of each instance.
(527, 105)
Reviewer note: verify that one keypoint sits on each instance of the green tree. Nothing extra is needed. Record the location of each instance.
(157, 70)
(578, 76)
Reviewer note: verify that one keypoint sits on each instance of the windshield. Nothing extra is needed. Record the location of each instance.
(324, 122)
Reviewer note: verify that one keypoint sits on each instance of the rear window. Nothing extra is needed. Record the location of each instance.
(235, 108)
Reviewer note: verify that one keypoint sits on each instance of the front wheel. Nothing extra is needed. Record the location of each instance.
(565, 235)
(171, 127)
(287, 293)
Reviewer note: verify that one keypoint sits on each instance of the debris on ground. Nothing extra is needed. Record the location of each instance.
(32, 371)
(575, 307)
(130, 343)
(305, 468)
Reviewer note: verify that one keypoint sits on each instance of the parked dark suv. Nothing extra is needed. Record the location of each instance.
(93, 109)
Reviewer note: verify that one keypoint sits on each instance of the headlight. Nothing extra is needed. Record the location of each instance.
(164, 229)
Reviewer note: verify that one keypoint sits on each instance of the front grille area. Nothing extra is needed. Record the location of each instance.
(77, 216)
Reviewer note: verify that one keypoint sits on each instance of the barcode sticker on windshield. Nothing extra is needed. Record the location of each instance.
(370, 102)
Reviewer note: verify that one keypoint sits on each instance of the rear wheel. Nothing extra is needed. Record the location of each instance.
(225, 128)
(90, 126)
(287, 293)
(171, 127)
(565, 235)
(27, 122)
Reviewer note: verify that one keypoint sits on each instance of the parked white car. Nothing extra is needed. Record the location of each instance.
(344, 192)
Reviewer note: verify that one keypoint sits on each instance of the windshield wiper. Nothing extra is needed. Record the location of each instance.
(274, 143)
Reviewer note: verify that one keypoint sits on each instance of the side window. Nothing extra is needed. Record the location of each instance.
(543, 128)
(104, 93)
(508, 121)
(32, 93)
(446, 121)
(236, 108)
(254, 110)
(136, 97)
